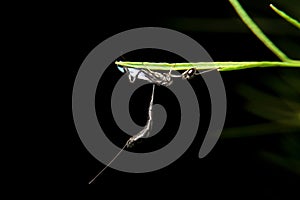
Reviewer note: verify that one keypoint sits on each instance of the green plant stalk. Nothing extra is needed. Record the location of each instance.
(257, 31)
(285, 16)
(221, 66)
(229, 66)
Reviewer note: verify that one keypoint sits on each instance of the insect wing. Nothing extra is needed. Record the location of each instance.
(138, 74)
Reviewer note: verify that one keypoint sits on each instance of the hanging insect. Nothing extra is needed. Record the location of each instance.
(159, 78)
(156, 78)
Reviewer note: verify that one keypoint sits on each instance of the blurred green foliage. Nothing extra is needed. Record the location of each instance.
(275, 99)
(278, 107)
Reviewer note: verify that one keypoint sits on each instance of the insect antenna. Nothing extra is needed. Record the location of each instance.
(109, 163)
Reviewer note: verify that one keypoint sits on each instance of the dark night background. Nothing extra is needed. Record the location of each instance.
(257, 162)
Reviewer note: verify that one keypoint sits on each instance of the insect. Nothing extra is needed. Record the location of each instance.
(156, 78)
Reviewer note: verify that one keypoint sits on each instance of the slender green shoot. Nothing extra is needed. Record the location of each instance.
(221, 66)
(257, 31)
(285, 16)
(229, 66)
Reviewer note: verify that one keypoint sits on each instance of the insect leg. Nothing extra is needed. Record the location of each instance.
(133, 78)
(146, 130)
(205, 71)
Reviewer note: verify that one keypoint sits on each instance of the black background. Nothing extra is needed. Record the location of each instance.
(66, 33)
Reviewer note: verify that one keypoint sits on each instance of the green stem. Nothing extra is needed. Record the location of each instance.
(257, 31)
(229, 66)
(285, 16)
(221, 66)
